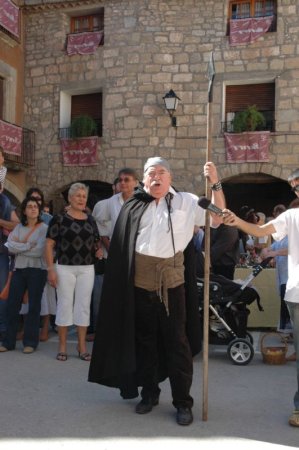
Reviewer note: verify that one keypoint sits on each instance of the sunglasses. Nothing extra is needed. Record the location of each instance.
(125, 179)
(295, 188)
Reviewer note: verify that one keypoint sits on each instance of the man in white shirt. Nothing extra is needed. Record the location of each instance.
(285, 224)
(106, 211)
(143, 333)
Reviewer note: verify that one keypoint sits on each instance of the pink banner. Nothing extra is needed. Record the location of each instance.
(245, 31)
(9, 17)
(84, 43)
(11, 138)
(252, 146)
(80, 151)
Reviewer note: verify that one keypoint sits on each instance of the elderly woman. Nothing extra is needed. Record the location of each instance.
(74, 238)
(27, 242)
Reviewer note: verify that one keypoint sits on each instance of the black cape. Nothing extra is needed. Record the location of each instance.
(113, 361)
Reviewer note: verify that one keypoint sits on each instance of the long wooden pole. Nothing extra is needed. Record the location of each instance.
(206, 277)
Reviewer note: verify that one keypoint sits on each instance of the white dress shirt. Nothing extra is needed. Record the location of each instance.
(106, 213)
(154, 235)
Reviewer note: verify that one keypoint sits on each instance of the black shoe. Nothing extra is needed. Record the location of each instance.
(146, 405)
(184, 416)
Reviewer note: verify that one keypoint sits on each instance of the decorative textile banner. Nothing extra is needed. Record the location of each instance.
(11, 138)
(245, 31)
(80, 151)
(9, 17)
(84, 43)
(252, 146)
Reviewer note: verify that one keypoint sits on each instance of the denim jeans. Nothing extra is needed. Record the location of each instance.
(4, 265)
(294, 314)
(34, 280)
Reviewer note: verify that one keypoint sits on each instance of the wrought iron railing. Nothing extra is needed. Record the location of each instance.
(66, 133)
(228, 127)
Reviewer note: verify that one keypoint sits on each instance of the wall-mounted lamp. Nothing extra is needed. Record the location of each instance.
(171, 101)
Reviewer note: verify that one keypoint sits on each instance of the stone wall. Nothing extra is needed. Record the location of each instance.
(152, 46)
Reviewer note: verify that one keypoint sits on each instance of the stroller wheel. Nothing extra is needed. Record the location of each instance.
(249, 337)
(240, 351)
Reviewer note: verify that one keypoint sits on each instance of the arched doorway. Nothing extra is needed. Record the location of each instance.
(257, 190)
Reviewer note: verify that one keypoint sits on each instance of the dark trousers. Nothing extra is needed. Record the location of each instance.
(227, 271)
(34, 280)
(284, 312)
(159, 335)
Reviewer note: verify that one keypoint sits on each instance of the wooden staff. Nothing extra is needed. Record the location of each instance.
(211, 74)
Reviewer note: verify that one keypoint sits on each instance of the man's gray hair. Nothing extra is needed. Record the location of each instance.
(156, 161)
(77, 187)
(293, 176)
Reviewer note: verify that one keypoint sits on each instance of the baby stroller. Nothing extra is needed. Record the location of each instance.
(228, 315)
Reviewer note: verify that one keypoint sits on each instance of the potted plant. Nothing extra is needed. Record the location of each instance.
(83, 126)
(249, 120)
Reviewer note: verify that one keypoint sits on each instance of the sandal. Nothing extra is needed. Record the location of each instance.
(294, 419)
(84, 356)
(61, 356)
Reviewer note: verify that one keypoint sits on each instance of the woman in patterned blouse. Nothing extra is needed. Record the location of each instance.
(74, 238)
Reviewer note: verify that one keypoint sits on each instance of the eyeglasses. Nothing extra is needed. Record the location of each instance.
(124, 179)
(295, 188)
(36, 198)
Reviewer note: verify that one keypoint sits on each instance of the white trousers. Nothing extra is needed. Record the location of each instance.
(74, 289)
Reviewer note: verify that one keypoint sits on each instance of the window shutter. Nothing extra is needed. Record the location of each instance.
(239, 97)
(90, 104)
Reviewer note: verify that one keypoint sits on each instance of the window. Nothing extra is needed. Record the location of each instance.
(243, 9)
(239, 97)
(73, 106)
(92, 22)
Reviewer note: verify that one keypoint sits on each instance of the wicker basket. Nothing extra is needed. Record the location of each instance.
(274, 354)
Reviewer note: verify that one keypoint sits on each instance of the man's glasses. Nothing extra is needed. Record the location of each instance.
(295, 188)
(125, 179)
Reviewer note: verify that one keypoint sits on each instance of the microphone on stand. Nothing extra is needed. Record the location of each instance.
(204, 203)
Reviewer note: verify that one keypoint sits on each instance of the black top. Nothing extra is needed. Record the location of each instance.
(75, 239)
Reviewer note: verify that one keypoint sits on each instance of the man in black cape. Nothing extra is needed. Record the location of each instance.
(148, 325)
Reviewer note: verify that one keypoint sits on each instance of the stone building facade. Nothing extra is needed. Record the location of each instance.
(150, 47)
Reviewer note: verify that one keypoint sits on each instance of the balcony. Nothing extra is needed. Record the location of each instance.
(227, 127)
(27, 157)
(66, 133)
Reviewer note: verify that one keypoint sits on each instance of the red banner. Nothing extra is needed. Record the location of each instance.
(11, 138)
(80, 151)
(9, 17)
(245, 31)
(252, 146)
(84, 43)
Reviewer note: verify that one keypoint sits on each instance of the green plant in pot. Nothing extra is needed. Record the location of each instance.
(249, 120)
(83, 126)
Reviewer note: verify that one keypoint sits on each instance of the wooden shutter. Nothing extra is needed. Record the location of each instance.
(90, 104)
(239, 97)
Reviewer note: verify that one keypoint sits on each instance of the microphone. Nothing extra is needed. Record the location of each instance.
(204, 203)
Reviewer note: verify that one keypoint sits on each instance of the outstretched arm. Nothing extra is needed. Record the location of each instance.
(232, 220)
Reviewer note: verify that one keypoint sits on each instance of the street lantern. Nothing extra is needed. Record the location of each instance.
(171, 101)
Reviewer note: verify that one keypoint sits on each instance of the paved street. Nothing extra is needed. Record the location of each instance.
(50, 404)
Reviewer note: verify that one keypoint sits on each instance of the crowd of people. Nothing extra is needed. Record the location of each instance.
(129, 267)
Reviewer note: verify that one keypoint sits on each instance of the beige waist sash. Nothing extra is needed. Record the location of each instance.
(159, 274)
